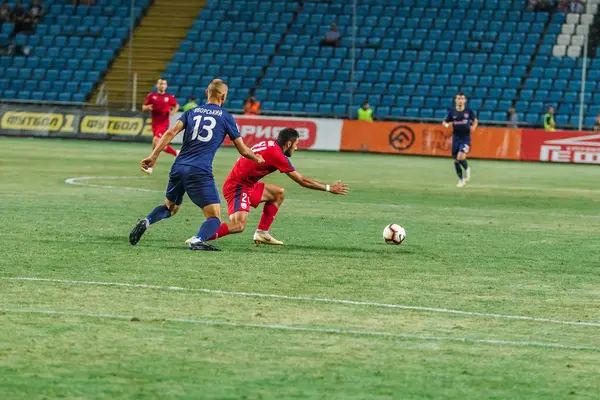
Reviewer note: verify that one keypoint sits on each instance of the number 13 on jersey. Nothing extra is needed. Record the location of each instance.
(198, 130)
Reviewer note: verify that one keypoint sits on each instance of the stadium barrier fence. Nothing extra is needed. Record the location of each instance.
(73, 122)
(561, 146)
(427, 139)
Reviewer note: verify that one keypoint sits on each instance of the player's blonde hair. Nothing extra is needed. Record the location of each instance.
(216, 88)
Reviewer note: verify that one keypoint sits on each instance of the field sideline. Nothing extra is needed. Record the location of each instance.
(495, 294)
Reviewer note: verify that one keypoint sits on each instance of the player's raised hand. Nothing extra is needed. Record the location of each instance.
(339, 188)
(147, 163)
(259, 159)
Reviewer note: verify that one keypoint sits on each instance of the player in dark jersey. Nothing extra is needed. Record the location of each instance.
(205, 129)
(243, 190)
(464, 122)
(162, 105)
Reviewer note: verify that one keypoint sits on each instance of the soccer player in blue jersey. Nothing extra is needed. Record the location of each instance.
(205, 129)
(464, 122)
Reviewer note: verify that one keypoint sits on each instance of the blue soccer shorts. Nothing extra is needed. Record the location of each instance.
(199, 185)
(460, 145)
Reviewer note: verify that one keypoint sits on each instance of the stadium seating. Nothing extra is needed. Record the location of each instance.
(235, 40)
(412, 56)
(69, 51)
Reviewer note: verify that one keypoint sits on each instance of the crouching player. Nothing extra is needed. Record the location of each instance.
(243, 190)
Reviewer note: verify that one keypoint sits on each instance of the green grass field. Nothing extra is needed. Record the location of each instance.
(433, 318)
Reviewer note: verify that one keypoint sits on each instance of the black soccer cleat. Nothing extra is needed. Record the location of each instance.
(201, 246)
(137, 232)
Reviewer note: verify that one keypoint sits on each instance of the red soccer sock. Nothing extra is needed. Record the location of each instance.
(268, 216)
(222, 231)
(170, 150)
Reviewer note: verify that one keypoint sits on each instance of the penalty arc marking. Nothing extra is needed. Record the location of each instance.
(85, 181)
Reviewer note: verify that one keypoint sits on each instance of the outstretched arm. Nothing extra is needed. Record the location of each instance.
(164, 141)
(247, 152)
(336, 188)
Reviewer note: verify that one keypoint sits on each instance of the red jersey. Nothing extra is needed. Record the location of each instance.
(248, 173)
(161, 107)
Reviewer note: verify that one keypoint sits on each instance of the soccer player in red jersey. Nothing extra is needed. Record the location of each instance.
(243, 190)
(162, 105)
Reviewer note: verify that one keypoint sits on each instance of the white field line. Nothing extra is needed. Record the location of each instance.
(76, 181)
(310, 299)
(535, 188)
(472, 186)
(311, 330)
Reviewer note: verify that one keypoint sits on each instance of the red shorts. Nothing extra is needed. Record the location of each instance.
(241, 197)
(160, 130)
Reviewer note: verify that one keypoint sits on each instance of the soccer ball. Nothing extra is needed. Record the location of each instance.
(394, 234)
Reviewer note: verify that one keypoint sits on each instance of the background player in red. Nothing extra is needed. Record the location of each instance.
(243, 190)
(162, 105)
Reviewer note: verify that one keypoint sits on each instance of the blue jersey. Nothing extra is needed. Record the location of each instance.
(205, 129)
(461, 121)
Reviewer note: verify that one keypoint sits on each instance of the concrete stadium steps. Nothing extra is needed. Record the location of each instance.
(171, 19)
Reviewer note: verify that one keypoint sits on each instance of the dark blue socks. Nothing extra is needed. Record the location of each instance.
(464, 164)
(160, 212)
(458, 169)
(209, 228)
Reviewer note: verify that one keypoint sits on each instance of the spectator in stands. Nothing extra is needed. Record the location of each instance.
(365, 113)
(563, 6)
(5, 13)
(539, 5)
(18, 50)
(512, 118)
(18, 13)
(36, 11)
(252, 107)
(577, 6)
(332, 37)
(549, 124)
(597, 124)
(190, 104)
(23, 25)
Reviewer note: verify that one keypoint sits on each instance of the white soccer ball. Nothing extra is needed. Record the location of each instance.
(394, 234)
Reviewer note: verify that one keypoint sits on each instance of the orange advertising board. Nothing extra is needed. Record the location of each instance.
(427, 139)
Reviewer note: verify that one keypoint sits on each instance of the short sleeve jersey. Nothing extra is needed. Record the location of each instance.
(461, 121)
(248, 173)
(205, 129)
(161, 107)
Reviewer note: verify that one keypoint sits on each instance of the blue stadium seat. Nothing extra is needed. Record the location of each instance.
(495, 93)
(532, 119)
(24, 73)
(562, 120)
(504, 104)
(499, 116)
(509, 94)
(490, 105)
(31, 85)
